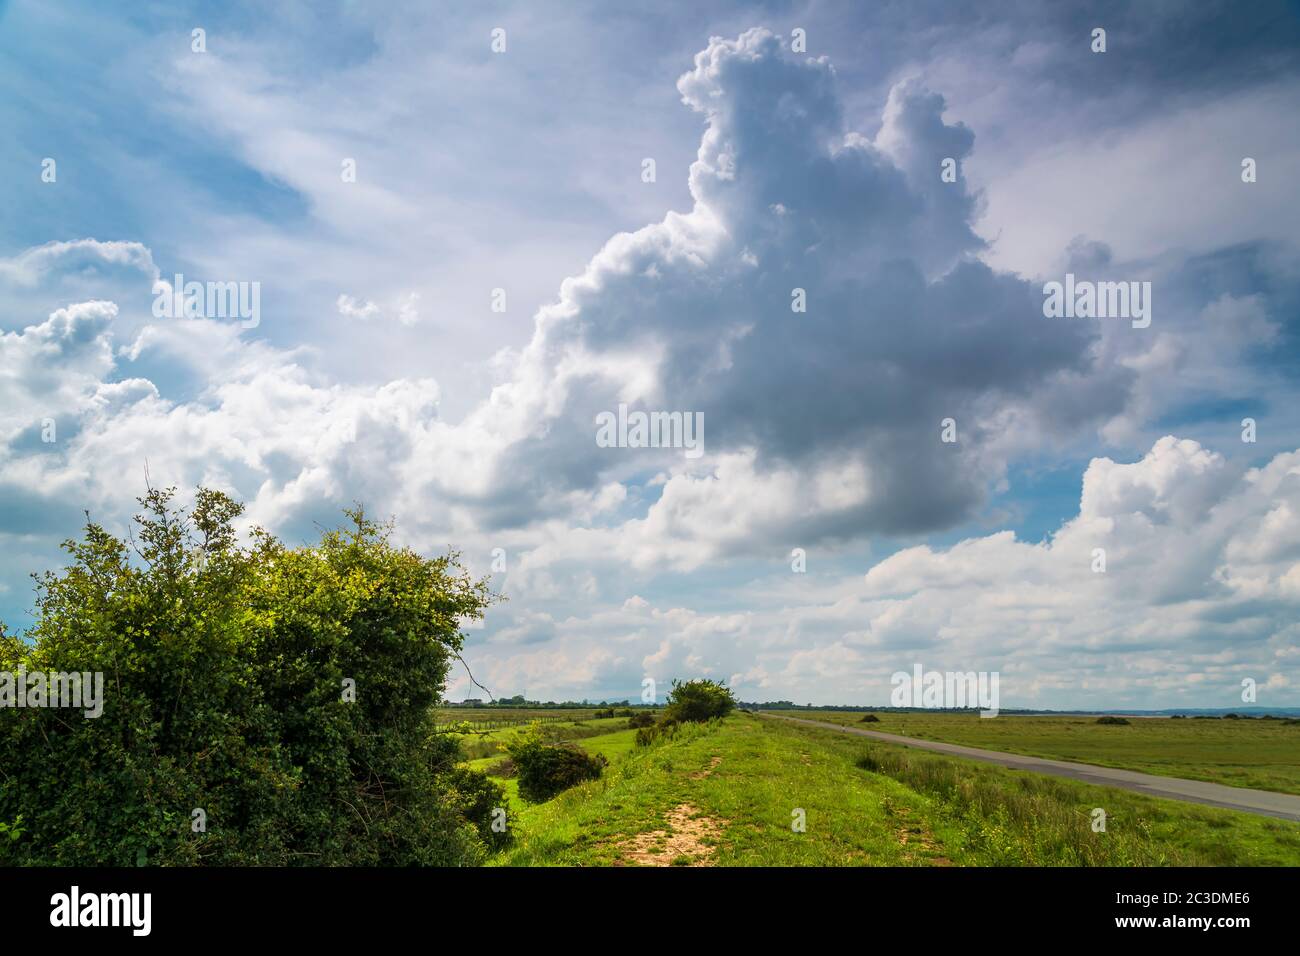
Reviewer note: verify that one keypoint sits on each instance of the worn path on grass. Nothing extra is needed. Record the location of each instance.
(1263, 802)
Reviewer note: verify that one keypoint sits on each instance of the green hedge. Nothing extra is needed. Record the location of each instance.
(224, 692)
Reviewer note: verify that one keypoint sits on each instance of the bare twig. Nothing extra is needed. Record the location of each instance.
(471, 677)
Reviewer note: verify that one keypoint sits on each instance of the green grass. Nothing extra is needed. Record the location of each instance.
(479, 745)
(612, 746)
(1259, 754)
(746, 776)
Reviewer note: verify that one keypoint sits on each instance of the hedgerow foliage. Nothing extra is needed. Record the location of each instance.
(224, 672)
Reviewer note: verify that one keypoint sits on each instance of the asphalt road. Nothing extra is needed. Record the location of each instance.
(1283, 805)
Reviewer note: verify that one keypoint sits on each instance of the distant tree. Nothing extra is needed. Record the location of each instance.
(698, 700)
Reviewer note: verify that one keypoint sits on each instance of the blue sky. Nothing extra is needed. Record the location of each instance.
(379, 370)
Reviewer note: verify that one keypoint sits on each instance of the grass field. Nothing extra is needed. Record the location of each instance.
(487, 743)
(1260, 754)
(728, 794)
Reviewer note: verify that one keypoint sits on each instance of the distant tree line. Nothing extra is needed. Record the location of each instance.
(518, 701)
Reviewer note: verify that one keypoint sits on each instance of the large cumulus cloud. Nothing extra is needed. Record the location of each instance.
(903, 328)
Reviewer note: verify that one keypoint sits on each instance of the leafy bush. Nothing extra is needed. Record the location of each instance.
(643, 719)
(603, 714)
(227, 671)
(869, 719)
(1113, 721)
(545, 770)
(12, 831)
(698, 700)
(479, 797)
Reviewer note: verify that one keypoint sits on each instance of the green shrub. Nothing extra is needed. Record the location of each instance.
(545, 770)
(869, 719)
(643, 719)
(479, 797)
(1113, 721)
(698, 700)
(225, 675)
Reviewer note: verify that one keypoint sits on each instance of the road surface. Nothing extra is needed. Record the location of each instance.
(1283, 805)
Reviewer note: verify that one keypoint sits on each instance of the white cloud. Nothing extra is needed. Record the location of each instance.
(356, 309)
(36, 263)
(405, 309)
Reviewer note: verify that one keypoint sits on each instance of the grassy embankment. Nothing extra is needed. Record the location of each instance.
(728, 793)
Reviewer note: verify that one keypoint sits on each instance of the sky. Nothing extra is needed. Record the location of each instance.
(824, 230)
